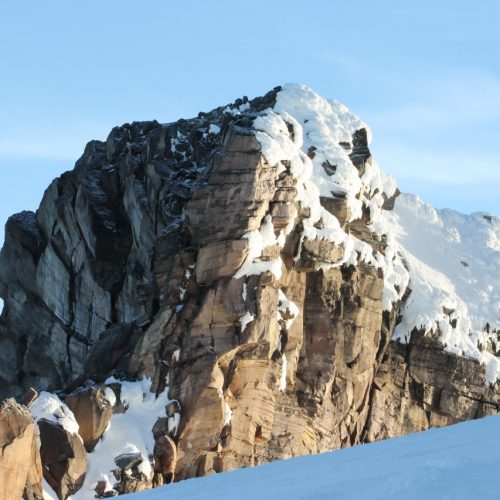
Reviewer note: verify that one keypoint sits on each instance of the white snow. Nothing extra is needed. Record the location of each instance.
(316, 124)
(457, 462)
(174, 422)
(49, 407)
(213, 129)
(145, 467)
(245, 320)
(228, 414)
(129, 432)
(110, 396)
(286, 308)
(450, 261)
(257, 241)
(237, 110)
(287, 311)
(454, 264)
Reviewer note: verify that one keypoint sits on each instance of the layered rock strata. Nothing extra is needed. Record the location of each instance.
(205, 256)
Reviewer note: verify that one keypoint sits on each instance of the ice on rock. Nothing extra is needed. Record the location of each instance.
(228, 414)
(174, 422)
(110, 396)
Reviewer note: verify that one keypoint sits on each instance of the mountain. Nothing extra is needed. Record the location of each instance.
(237, 288)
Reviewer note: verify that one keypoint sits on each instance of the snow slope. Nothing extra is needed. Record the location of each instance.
(454, 263)
(456, 462)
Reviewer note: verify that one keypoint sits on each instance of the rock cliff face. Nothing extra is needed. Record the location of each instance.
(247, 263)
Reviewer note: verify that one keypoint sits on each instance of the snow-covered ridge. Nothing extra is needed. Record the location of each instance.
(449, 261)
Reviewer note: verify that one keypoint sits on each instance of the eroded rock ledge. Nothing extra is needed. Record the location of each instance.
(130, 268)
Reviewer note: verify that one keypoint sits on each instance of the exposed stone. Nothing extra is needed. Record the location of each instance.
(317, 252)
(29, 396)
(131, 478)
(20, 465)
(92, 412)
(338, 207)
(128, 460)
(219, 260)
(104, 491)
(64, 458)
(418, 387)
(165, 456)
(128, 269)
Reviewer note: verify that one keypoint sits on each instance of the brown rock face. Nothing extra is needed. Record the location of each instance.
(64, 458)
(419, 386)
(132, 266)
(92, 412)
(165, 457)
(20, 465)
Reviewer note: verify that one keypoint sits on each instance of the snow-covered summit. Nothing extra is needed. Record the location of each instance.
(449, 262)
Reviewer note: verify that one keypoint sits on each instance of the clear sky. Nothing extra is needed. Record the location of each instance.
(424, 75)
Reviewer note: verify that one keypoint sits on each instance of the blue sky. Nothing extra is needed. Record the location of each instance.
(424, 75)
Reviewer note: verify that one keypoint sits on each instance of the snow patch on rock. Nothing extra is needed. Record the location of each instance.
(49, 407)
(257, 241)
(245, 320)
(449, 261)
(129, 432)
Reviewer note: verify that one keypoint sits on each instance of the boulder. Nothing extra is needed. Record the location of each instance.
(20, 465)
(92, 410)
(64, 458)
(134, 473)
(165, 457)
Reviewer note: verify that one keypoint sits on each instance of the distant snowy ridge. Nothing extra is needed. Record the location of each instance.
(449, 261)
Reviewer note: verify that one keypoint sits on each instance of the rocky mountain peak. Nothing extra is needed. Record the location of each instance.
(240, 287)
